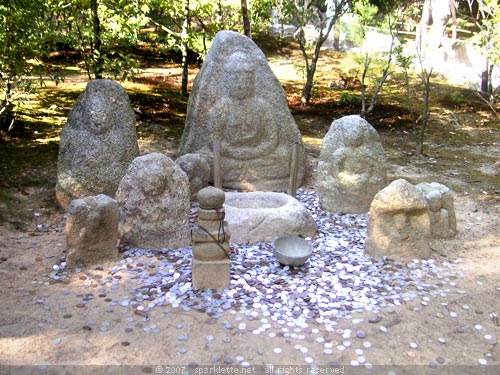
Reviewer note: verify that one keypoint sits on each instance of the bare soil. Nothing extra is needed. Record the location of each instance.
(35, 312)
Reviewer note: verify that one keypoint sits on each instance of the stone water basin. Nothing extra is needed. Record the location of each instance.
(264, 216)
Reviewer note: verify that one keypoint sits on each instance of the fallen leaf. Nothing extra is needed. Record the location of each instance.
(141, 313)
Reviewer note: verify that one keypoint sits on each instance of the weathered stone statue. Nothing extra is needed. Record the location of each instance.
(351, 167)
(442, 210)
(154, 204)
(197, 170)
(237, 100)
(92, 230)
(97, 144)
(399, 225)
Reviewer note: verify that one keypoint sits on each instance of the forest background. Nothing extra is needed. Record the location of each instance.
(380, 59)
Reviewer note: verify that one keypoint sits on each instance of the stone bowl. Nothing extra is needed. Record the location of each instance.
(263, 216)
(292, 250)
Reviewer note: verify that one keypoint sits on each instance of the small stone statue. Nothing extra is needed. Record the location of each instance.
(351, 167)
(92, 230)
(441, 209)
(399, 226)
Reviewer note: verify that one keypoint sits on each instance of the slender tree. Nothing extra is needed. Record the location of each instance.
(96, 40)
(246, 19)
(323, 14)
(186, 25)
(378, 63)
(425, 76)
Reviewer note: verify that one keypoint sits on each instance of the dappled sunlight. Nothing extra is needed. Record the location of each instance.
(167, 71)
(311, 141)
(285, 72)
(141, 87)
(486, 259)
(48, 140)
(10, 346)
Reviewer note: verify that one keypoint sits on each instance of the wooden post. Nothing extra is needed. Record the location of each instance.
(217, 166)
(294, 165)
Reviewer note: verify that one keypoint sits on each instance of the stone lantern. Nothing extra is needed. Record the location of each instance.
(210, 238)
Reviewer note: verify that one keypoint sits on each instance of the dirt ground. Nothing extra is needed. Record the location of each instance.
(54, 327)
(36, 312)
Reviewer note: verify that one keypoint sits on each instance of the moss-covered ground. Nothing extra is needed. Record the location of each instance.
(461, 148)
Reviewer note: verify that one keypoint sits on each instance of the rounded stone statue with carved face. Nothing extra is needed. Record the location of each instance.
(351, 167)
(97, 144)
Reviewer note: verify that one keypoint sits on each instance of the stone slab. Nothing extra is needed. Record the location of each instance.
(211, 275)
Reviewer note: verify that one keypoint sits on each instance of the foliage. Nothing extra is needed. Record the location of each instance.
(349, 98)
(456, 98)
(31, 30)
(120, 22)
(260, 14)
(364, 16)
(376, 63)
(323, 16)
(483, 17)
(23, 25)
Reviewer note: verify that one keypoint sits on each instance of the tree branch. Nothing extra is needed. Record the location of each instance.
(164, 28)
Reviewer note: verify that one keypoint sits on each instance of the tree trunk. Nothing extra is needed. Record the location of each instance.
(336, 29)
(366, 66)
(336, 36)
(184, 49)
(97, 38)
(455, 22)
(324, 28)
(311, 68)
(219, 16)
(423, 30)
(485, 72)
(385, 75)
(306, 90)
(246, 19)
(490, 80)
(426, 80)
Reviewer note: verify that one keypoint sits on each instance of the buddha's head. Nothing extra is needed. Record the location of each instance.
(241, 76)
